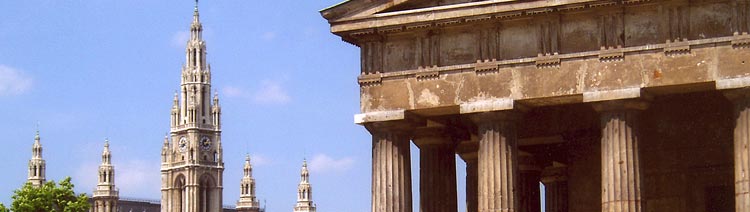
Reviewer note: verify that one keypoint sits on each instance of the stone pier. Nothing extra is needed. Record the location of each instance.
(741, 99)
(391, 167)
(621, 168)
(498, 164)
(437, 170)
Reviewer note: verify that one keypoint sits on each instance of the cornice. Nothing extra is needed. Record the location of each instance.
(462, 13)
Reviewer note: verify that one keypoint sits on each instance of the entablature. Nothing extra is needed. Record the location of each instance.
(629, 72)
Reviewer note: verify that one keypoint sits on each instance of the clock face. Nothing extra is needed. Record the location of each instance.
(205, 143)
(183, 144)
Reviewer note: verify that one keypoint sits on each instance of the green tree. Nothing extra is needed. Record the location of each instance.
(3, 208)
(49, 197)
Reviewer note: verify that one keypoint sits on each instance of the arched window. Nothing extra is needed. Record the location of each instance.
(179, 194)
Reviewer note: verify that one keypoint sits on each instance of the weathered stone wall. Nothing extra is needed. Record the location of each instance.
(564, 30)
(547, 55)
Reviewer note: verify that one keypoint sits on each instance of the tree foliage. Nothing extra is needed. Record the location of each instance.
(3, 208)
(49, 197)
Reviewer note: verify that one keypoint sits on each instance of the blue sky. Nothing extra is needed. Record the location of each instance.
(85, 70)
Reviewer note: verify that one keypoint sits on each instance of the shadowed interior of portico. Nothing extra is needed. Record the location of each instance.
(686, 153)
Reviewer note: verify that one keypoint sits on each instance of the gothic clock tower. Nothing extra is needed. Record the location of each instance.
(192, 166)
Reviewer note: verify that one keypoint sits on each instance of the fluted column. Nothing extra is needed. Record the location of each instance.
(621, 167)
(498, 164)
(391, 167)
(437, 170)
(468, 153)
(555, 179)
(741, 99)
(530, 174)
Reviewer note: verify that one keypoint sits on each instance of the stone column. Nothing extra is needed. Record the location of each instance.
(468, 152)
(437, 170)
(741, 99)
(621, 167)
(555, 179)
(530, 175)
(498, 164)
(391, 166)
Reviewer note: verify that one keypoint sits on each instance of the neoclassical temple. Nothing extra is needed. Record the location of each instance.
(614, 105)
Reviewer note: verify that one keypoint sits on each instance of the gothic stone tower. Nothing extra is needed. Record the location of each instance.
(248, 202)
(106, 194)
(192, 166)
(37, 166)
(304, 192)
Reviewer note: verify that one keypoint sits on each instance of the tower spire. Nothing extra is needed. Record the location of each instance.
(196, 27)
(248, 201)
(304, 191)
(193, 150)
(106, 194)
(37, 165)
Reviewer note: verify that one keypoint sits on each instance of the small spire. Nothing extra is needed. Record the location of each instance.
(195, 12)
(106, 143)
(36, 137)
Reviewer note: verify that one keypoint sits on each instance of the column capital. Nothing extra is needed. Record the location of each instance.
(496, 116)
(738, 95)
(621, 104)
(405, 126)
(437, 135)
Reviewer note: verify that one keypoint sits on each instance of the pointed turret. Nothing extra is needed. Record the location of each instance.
(248, 202)
(165, 151)
(193, 107)
(196, 28)
(216, 110)
(37, 165)
(106, 194)
(304, 192)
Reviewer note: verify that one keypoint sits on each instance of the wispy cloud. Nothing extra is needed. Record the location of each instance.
(138, 177)
(268, 36)
(233, 92)
(85, 177)
(260, 160)
(13, 81)
(180, 38)
(271, 92)
(322, 163)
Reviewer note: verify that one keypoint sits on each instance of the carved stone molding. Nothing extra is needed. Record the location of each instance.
(611, 54)
(486, 67)
(740, 41)
(369, 81)
(675, 48)
(427, 74)
(547, 60)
